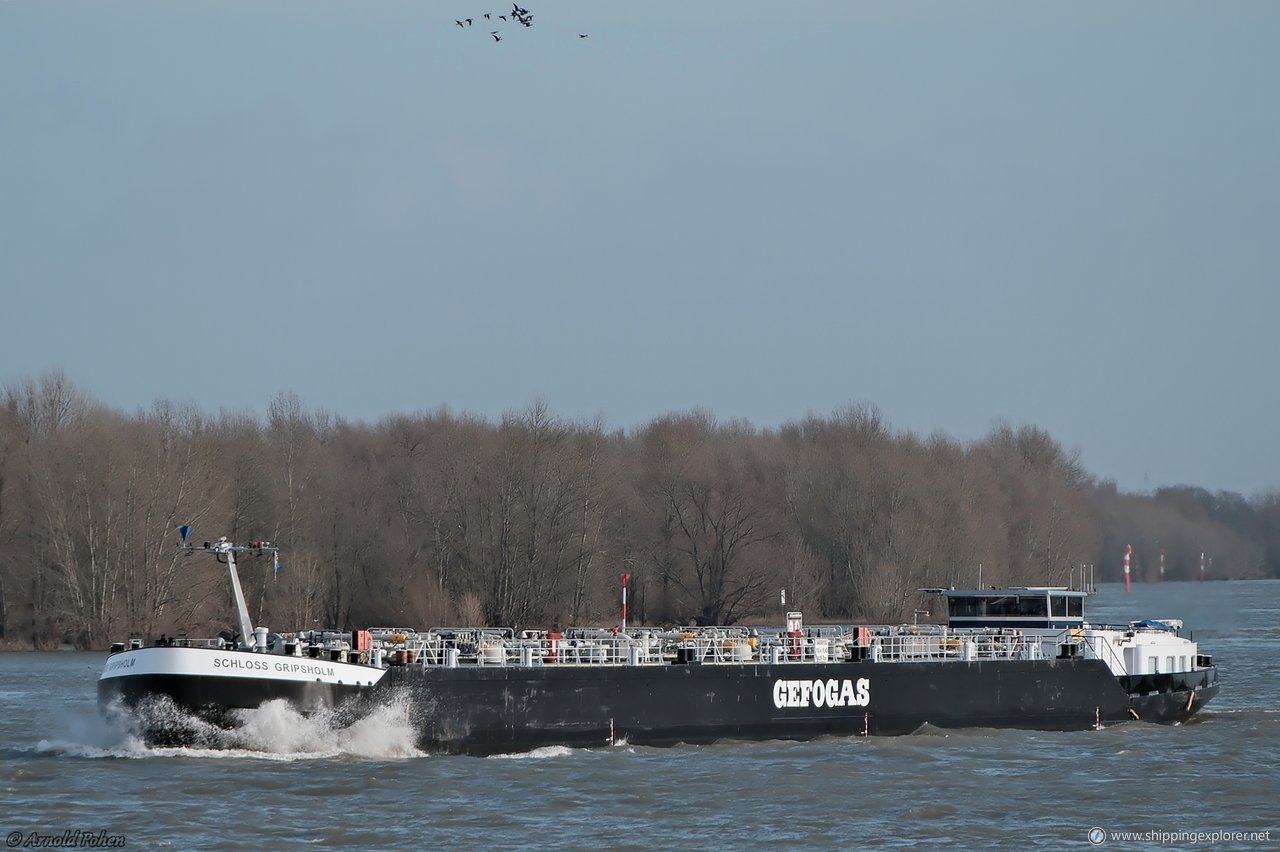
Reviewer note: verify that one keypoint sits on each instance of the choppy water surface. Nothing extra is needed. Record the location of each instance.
(285, 780)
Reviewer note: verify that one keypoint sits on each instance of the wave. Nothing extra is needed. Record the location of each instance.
(537, 754)
(274, 731)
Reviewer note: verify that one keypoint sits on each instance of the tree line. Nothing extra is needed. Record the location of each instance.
(437, 518)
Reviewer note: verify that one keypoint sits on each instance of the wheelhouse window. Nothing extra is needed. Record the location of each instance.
(1068, 606)
(1003, 606)
(967, 607)
(1030, 606)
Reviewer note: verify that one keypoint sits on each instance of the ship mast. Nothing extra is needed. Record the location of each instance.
(220, 548)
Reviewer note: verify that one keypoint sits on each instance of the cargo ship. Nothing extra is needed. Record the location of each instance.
(1006, 658)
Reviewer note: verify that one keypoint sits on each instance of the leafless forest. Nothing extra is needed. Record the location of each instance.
(434, 518)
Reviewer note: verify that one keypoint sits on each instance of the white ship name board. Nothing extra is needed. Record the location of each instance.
(207, 662)
(821, 693)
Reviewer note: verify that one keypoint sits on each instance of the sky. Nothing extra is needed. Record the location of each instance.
(1060, 214)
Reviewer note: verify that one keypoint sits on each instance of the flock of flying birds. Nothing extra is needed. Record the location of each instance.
(518, 15)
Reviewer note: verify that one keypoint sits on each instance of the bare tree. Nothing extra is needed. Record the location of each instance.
(529, 520)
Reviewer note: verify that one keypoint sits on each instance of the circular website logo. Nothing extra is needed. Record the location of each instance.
(1097, 836)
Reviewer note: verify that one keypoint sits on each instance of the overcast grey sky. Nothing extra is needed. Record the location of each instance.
(1060, 214)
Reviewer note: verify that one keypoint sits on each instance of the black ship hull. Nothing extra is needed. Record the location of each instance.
(217, 699)
(506, 709)
(496, 709)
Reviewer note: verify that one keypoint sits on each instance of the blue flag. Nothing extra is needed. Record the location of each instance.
(275, 566)
(184, 531)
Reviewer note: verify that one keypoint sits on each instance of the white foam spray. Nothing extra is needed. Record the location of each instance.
(274, 731)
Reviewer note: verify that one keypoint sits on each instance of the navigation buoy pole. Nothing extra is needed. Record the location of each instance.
(1128, 551)
(625, 578)
(1162, 565)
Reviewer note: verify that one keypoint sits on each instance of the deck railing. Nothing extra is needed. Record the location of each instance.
(706, 646)
(452, 647)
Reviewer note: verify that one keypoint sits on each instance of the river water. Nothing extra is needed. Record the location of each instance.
(303, 783)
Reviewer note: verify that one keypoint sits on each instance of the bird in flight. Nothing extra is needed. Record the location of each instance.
(517, 15)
